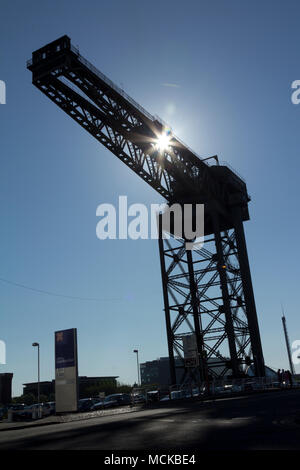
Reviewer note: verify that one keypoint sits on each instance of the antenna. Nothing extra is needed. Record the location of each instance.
(287, 342)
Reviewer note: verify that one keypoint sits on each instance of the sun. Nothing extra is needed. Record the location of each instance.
(163, 141)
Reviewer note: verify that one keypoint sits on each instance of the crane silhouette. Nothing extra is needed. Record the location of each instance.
(208, 293)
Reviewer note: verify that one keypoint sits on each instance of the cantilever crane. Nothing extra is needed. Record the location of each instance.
(208, 292)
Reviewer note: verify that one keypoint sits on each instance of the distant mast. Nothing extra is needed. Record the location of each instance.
(287, 342)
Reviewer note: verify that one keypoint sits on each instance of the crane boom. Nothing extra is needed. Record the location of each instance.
(129, 131)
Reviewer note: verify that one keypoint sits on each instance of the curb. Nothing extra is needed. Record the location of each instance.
(67, 418)
(27, 426)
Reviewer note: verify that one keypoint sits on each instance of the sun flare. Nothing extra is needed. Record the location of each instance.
(163, 141)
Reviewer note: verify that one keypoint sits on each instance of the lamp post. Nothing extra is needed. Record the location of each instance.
(138, 366)
(38, 346)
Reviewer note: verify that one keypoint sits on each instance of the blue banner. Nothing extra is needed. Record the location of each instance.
(65, 348)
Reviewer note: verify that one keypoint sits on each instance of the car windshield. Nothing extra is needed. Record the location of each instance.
(109, 398)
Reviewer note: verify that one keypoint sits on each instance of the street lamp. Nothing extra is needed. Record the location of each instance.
(38, 346)
(138, 366)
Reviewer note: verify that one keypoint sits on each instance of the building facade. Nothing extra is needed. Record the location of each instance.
(5, 388)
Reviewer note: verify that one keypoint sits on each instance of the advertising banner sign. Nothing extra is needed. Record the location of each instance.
(66, 371)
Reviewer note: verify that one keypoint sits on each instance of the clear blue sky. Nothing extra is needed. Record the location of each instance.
(234, 63)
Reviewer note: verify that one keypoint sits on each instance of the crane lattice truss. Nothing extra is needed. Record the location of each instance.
(207, 292)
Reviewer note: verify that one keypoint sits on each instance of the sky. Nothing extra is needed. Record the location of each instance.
(232, 64)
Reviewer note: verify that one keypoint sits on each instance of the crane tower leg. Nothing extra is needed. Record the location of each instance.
(248, 293)
(225, 295)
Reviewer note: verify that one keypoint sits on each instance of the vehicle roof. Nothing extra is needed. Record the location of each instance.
(117, 394)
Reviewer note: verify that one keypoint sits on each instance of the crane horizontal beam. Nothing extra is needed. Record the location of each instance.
(128, 130)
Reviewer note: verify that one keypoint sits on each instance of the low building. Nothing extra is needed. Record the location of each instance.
(46, 388)
(86, 386)
(5, 388)
(91, 386)
(157, 372)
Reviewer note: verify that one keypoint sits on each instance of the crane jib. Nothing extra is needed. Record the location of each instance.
(128, 130)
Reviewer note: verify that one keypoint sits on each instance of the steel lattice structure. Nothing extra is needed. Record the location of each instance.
(207, 292)
(208, 301)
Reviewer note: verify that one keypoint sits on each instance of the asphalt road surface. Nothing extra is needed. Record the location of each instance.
(263, 421)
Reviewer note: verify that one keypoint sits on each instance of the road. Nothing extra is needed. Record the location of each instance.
(264, 421)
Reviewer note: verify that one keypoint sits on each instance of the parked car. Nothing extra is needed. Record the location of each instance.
(17, 409)
(274, 385)
(236, 388)
(27, 412)
(86, 404)
(165, 398)
(251, 386)
(3, 412)
(116, 399)
(153, 396)
(49, 408)
(219, 390)
(120, 398)
(177, 394)
(138, 398)
(16, 406)
(228, 389)
(99, 405)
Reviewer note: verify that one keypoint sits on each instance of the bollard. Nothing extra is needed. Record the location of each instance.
(10, 416)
